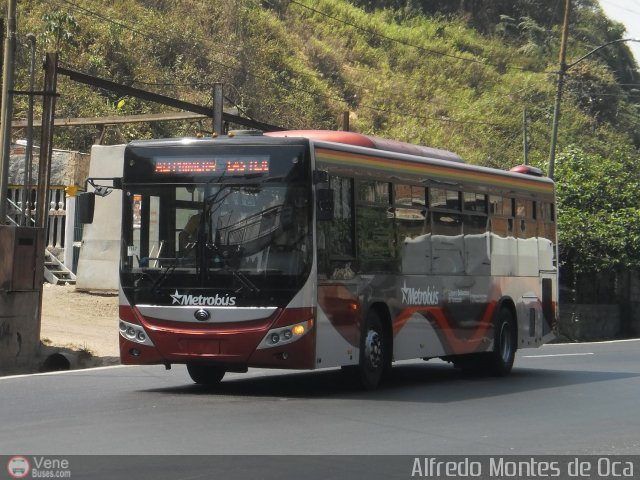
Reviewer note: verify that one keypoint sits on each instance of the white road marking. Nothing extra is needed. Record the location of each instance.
(64, 372)
(604, 342)
(549, 345)
(559, 355)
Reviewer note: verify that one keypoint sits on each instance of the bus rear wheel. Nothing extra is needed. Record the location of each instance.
(204, 374)
(499, 362)
(374, 353)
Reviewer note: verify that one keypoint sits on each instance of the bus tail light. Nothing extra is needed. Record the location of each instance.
(277, 337)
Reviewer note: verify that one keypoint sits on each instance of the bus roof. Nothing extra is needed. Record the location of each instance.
(369, 141)
(354, 150)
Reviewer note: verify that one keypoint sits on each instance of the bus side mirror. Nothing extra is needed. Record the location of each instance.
(324, 199)
(85, 206)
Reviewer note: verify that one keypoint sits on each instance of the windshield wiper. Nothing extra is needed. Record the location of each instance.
(244, 281)
(168, 270)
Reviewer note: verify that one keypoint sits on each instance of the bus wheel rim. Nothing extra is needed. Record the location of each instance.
(373, 349)
(505, 343)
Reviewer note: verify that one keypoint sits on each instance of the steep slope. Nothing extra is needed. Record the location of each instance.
(455, 78)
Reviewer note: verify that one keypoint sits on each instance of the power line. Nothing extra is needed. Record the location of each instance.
(407, 44)
(149, 36)
(315, 94)
(620, 6)
(107, 19)
(273, 83)
(584, 83)
(440, 119)
(402, 113)
(143, 34)
(607, 94)
(195, 84)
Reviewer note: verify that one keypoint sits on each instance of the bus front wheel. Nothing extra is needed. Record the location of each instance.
(373, 352)
(203, 374)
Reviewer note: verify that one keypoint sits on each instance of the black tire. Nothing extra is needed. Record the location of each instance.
(374, 353)
(203, 374)
(499, 362)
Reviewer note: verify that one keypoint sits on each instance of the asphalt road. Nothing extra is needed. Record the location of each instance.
(559, 399)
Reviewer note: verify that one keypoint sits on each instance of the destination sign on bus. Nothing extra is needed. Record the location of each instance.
(230, 165)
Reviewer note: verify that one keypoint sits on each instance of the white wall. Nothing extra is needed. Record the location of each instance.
(100, 250)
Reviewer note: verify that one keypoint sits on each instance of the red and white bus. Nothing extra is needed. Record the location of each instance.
(315, 249)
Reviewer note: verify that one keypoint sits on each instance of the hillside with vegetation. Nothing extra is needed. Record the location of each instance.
(457, 75)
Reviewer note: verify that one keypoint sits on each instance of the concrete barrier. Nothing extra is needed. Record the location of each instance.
(586, 322)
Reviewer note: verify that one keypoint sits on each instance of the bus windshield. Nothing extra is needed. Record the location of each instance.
(243, 235)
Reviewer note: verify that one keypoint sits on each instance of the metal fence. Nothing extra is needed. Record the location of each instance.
(19, 215)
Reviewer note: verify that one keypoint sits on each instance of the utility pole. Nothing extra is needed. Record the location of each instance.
(7, 107)
(525, 139)
(28, 154)
(345, 120)
(46, 139)
(1, 58)
(22, 248)
(561, 73)
(218, 105)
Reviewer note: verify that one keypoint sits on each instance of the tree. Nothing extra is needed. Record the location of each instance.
(60, 30)
(598, 211)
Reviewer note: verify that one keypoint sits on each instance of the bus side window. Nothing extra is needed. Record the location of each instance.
(447, 242)
(495, 205)
(410, 211)
(509, 212)
(336, 238)
(447, 219)
(501, 222)
(375, 227)
(475, 225)
(413, 229)
(546, 221)
(147, 241)
(475, 213)
(525, 218)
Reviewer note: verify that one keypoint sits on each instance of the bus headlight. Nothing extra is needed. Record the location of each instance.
(277, 337)
(134, 333)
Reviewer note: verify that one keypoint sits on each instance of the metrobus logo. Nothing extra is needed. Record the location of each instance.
(202, 301)
(418, 296)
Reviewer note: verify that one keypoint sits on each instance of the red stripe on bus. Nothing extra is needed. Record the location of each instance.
(453, 343)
